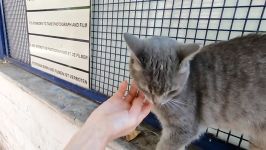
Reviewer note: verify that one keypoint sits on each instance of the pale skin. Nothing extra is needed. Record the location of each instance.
(116, 117)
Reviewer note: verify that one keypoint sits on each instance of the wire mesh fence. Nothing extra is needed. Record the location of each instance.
(231, 137)
(192, 21)
(16, 24)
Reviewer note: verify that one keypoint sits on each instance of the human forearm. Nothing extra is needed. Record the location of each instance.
(90, 136)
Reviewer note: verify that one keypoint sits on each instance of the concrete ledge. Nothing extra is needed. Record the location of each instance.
(45, 116)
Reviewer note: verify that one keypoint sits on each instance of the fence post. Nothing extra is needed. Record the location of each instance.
(2, 32)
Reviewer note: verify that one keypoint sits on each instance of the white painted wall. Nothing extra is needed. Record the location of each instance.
(28, 124)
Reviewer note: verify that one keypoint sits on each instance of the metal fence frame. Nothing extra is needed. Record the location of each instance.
(3, 39)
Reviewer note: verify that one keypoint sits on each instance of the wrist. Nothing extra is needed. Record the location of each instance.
(98, 134)
(90, 136)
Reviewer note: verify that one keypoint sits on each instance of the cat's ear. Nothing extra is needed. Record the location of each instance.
(187, 49)
(187, 52)
(135, 44)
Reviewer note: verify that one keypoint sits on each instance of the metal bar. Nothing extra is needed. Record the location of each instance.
(2, 45)
(3, 26)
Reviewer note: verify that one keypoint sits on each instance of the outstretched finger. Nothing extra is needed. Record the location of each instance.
(122, 89)
(132, 92)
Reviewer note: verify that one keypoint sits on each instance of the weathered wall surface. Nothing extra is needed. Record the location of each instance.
(28, 124)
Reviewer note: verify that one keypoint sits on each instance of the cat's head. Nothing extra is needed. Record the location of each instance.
(160, 66)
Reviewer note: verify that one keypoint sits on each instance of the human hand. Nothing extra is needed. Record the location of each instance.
(116, 117)
(121, 114)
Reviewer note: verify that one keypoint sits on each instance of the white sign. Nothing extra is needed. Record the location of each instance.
(72, 23)
(69, 52)
(59, 38)
(55, 4)
(69, 74)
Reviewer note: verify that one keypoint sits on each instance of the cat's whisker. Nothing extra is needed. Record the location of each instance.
(175, 101)
(167, 106)
(181, 107)
(176, 104)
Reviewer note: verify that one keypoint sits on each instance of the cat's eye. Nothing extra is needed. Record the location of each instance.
(172, 93)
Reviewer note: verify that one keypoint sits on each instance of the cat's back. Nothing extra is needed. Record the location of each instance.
(230, 79)
(242, 48)
(242, 58)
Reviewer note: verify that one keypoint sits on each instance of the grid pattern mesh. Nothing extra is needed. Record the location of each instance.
(231, 137)
(16, 23)
(189, 21)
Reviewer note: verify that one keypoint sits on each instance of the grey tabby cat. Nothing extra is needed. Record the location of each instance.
(220, 85)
